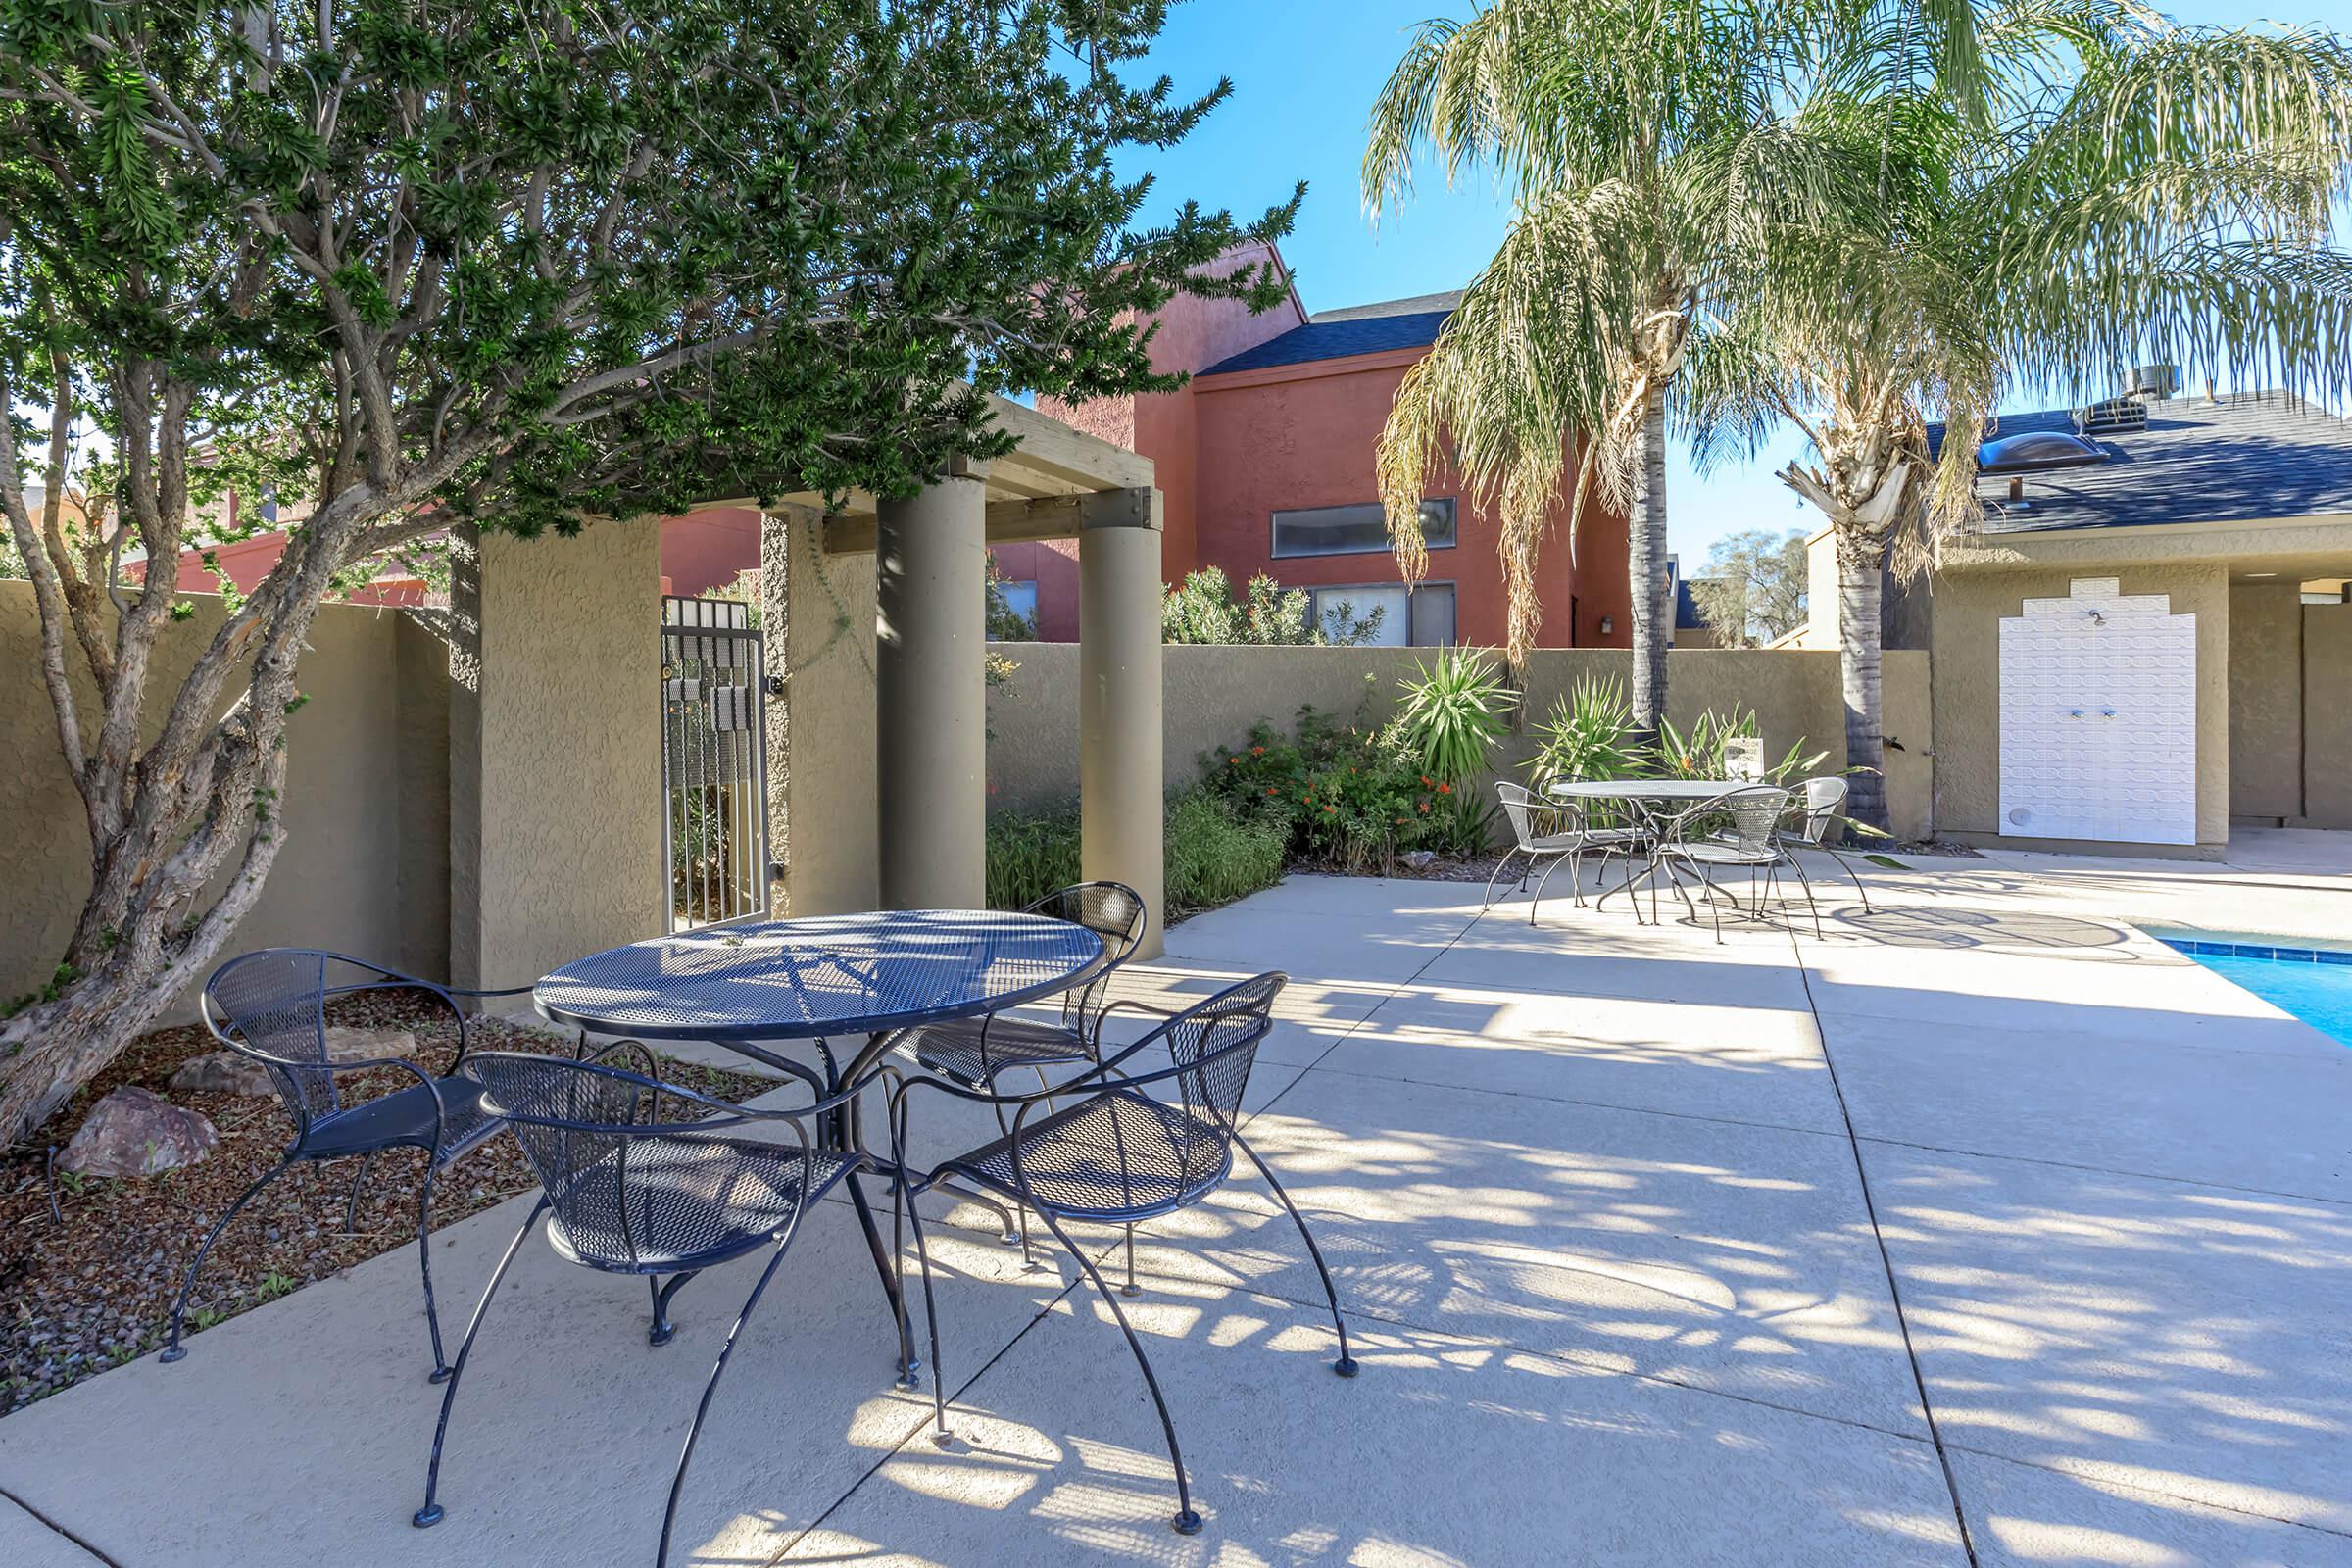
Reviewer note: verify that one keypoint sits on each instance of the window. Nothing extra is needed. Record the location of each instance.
(1420, 618)
(1021, 598)
(1358, 531)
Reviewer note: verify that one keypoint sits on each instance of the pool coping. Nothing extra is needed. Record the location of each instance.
(2249, 944)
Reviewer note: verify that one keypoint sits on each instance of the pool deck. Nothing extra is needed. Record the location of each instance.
(1980, 1229)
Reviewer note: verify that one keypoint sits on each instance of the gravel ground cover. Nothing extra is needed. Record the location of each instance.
(88, 1268)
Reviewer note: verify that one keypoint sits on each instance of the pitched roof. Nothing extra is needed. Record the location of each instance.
(1408, 323)
(2242, 458)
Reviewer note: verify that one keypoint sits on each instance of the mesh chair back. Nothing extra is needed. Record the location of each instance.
(1111, 911)
(1754, 814)
(274, 1003)
(1217, 1041)
(1533, 816)
(563, 1111)
(1825, 798)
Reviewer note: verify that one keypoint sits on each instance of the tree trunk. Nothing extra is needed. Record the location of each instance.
(1861, 568)
(1646, 567)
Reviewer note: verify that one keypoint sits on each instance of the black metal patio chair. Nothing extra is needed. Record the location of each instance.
(1739, 828)
(631, 1194)
(272, 1006)
(974, 1052)
(1119, 1156)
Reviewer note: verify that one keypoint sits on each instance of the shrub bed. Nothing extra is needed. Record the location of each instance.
(1213, 854)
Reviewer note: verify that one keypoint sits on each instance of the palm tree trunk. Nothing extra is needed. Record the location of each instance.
(1646, 567)
(1861, 567)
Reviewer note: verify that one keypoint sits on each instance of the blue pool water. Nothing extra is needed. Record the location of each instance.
(2315, 984)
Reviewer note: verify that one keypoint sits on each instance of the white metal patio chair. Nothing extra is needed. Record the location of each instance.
(1561, 831)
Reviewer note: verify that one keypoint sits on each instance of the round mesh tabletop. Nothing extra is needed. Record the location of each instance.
(838, 974)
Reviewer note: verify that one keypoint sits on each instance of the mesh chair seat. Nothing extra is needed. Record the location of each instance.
(1591, 838)
(1114, 1157)
(973, 1050)
(691, 1201)
(403, 1118)
(1722, 851)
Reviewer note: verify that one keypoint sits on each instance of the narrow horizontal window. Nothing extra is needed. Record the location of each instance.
(1354, 530)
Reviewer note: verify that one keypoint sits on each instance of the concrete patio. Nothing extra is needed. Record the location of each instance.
(1983, 1228)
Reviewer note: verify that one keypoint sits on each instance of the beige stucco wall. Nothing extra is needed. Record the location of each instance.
(1967, 685)
(1214, 695)
(2266, 700)
(554, 751)
(832, 854)
(351, 816)
(2328, 715)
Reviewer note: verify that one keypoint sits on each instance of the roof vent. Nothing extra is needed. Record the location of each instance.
(2030, 451)
(2155, 382)
(2115, 413)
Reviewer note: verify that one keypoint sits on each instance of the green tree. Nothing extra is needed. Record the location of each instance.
(2137, 192)
(1653, 150)
(505, 264)
(1752, 589)
(1203, 608)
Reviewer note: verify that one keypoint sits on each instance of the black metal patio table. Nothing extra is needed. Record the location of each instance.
(819, 979)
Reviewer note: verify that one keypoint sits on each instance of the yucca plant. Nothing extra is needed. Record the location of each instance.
(1589, 734)
(1455, 714)
(1700, 754)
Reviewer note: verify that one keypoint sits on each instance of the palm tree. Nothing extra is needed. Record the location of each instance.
(2142, 193)
(1652, 149)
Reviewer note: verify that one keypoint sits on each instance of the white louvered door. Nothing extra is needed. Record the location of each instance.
(2100, 717)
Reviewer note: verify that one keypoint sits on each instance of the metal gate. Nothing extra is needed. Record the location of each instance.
(714, 762)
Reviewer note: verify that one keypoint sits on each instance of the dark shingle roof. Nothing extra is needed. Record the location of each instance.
(1357, 329)
(2244, 458)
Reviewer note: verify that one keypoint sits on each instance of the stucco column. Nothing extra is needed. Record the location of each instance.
(1121, 790)
(931, 696)
(778, 526)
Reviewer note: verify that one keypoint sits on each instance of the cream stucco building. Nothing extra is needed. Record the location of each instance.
(2148, 639)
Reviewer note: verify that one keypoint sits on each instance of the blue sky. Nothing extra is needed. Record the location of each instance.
(1304, 74)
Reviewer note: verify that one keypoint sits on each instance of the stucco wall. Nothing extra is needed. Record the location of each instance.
(832, 856)
(556, 751)
(2327, 715)
(1967, 690)
(1213, 695)
(350, 819)
(2266, 700)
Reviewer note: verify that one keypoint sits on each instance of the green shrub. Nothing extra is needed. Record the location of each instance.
(1345, 796)
(1215, 855)
(1700, 754)
(1031, 854)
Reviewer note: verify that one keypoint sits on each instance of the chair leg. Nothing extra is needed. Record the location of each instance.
(1849, 870)
(1488, 901)
(430, 1514)
(1186, 1522)
(664, 1330)
(351, 1205)
(1537, 902)
(941, 1436)
(910, 1364)
(1131, 1289)
(424, 1263)
(1807, 883)
(677, 1482)
(1346, 1365)
(175, 1350)
(1707, 880)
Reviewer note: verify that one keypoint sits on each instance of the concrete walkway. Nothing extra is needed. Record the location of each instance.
(1981, 1228)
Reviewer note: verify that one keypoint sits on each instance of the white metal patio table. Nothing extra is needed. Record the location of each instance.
(1641, 794)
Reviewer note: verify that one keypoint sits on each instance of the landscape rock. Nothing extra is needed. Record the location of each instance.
(1418, 859)
(231, 1072)
(137, 1132)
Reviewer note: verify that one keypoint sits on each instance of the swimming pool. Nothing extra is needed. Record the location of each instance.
(2312, 982)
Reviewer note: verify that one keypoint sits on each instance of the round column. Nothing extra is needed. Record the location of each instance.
(1121, 788)
(931, 697)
